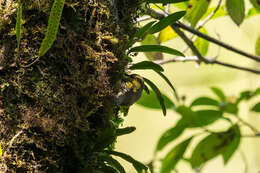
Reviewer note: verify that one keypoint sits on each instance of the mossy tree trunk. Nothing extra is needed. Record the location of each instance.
(57, 112)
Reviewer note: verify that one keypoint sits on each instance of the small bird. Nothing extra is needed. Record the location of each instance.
(132, 88)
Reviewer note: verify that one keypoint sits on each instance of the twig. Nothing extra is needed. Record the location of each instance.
(203, 22)
(256, 131)
(12, 141)
(220, 43)
(177, 59)
(143, 18)
(243, 156)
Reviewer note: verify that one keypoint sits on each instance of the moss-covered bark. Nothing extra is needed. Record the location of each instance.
(57, 112)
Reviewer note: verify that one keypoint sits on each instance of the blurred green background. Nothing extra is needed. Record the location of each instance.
(193, 81)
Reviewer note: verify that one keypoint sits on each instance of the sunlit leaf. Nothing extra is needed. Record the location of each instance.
(18, 26)
(125, 131)
(182, 5)
(151, 40)
(169, 20)
(232, 146)
(196, 9)
(158, 94)
(167, 34)
(256, 108)
(219, 93)
(113, 162)
(150, 101)
(257, 46)
(137, 165)
(256, 4)
(204, 101)
(236, 10)
(220, 12)
(213, 145)
(146, 65)
(173, 156)
(201, 44)
(164, 1)
(171, 134)
(252, 12)
(53, 26)
(1, 151)
(156, 48)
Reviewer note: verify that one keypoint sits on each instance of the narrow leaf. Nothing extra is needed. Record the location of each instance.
(169, 83)
(53, 26)
(204, 101)
(236, 10)
(169, 20)
(256, 4)
(205, 117)
(18, 26)
(256, 108)
(113, 162)
(108, 169)
(150, 101)
(257, 46)
(220, 12)
(140, 33)
(156, 48)
(219, 93)
(150, 39)
(1, 151)
(125, 131)
(137, 165)
(171, 159)
(146, 65)
(196, 9)
(171, 134)
(158, 94)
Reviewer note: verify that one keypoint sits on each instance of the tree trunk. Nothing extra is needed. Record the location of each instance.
(57, 112)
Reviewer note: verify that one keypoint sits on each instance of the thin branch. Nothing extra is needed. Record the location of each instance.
(255, 130)
(203, 22)
(220, 43)
(177, 59)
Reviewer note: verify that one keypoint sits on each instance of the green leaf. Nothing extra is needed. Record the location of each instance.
(182, 5)
(169, 83)
(256, 4)
(151, 40)
(156, 48)
(257, 91)
(108, 169)
(18, 26)
(257, 46)
(171, 159)
(256, 108)
(150, 101)
(229, 108)
(213, 145)
(169, 20)
(125, 131)
(233, 144)
(196, 9)
(167, 34)
(220, 12)
(137, 165)
(204, 101)
(53, 26)
(164, 1)
(113, 162)
(146, 65)
(158, 94)
(219, 93)
(236, 10)
(140, 33)
(201, 44)
(171, 134)
(252, 12)
(198, 118)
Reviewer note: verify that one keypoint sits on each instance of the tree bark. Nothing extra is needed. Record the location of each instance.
(57, 113)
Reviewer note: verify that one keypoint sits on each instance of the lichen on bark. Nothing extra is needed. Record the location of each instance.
(57, 112)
